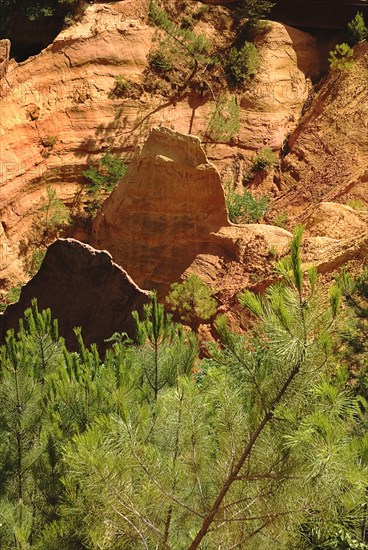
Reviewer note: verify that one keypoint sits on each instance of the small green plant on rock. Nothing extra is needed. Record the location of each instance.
(106, 174)
(341, 58)
(245, 208)
(103, 178)
(254, 10)
(49, 141)
(160, 61)
(356, 204)
(192, 299)
(241, 64)
(225, 120)
(264, 160)
(178, 47)
(121, 86)
(36, 260)
(10, 297)
(357, 30)
(55, 214)
(281, 220)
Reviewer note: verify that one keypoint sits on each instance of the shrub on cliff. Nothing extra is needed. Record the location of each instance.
(245, 208)
(241, 64)
(357, 30)
(342, 57)
(192, 299)
(225, 120)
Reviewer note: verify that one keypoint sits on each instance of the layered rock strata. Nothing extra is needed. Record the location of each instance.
(164, 210)
(65, 95)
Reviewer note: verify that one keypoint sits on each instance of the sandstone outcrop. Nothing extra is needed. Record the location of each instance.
(272, 106)
(65, 92)
(337, 221)
(83, 287)
(164, 210)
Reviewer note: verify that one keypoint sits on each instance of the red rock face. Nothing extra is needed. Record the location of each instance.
(83, 287)
(164, 210)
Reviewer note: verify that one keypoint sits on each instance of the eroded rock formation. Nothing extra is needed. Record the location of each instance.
(337, 221)
(65, 93)
(328, 158)
(83, 287)
(164, 210)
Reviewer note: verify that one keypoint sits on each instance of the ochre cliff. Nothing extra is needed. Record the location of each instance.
(65, 93)
(83, 287)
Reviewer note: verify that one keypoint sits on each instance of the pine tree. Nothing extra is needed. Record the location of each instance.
(25, 361)
(193, 299)
(166, 352)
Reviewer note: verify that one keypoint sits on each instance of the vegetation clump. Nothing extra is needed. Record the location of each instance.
(357, 30)
(49, 141)
(262, 440)
(264, 160)
(160, 61)
(255, 13)
(54, 214)
(241, 64)
(192, 299)
(245, 208)
(341, 58)
(121, 86)
(225, 119)
(11, 296)
(103, 178)
(180, 50)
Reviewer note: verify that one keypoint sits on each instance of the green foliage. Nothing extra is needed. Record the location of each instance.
(357, 30)
(165, 351)
(355, 337)
(11, 296)
(48, 143)
(102, 179)
(245, 208)
(35, 10)
(356, 204)
(178, 47)
(342, 58)
(241, 64)
(36, 260)
(281, 219)
(254, 10)
(121, 86)
(193, 299)
(264, 160)
(107, 174)
(262, 444)
(160, 61)
(54, 215)
(225, 119)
